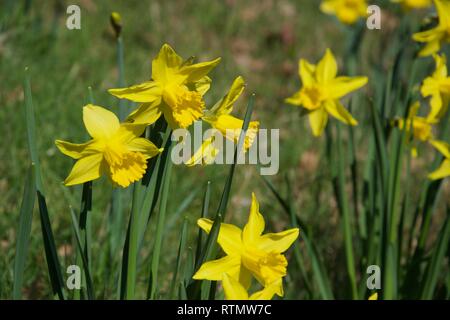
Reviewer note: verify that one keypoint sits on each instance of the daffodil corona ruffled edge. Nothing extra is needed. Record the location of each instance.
(249, 254)
(116, 150)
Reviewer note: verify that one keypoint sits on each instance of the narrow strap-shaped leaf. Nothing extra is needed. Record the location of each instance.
(82, 253)
(177, 270)
(23, 234)
(432, 273)
(53, 264)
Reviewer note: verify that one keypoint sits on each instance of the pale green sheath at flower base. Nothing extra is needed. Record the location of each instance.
(249, 253)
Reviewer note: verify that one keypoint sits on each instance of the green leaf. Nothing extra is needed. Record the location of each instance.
(23, 234)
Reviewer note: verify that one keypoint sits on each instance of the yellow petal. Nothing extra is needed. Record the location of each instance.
(195, 72)
(144, 146)
(146, 113)
(202, 86)
(130, 131)
(337, 110)
(268, 292)
(233, 289)
(318, 120)
(75, 150)
(230, 127)
(374, 296)
(295, 99)
(205, 154)
(326, 68)
(443, 11)
(278, 242)
(145, 92)
(430, 48)
(229, 238)
(166, 64)
(442, 146)
(214, 270)
(100, 122)
(341, 86)
(255, 225)
(306, 72)
(442, 172)
(225, 105)
(85, 169)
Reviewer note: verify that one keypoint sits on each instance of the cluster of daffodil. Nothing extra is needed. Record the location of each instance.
(322, 88)
(175, 91)
(351, 11)
(249, 254)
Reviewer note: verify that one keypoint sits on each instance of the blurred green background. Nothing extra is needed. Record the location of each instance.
(261, 40)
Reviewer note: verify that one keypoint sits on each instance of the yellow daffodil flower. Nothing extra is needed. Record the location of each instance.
(373, 296)
(414, 4)
(444, 170)
(437, 86)
(421, 127)
(175, 90)
(347, 11)
(234, 290)
(248, 252)
(435, 37)
(321, 91)
(229, 126)
(116, 150)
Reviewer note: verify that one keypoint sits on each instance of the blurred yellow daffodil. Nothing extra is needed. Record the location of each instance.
(444, 169)
(373, 296)
(176, 90)
(347, 11)
(414, 4)
(421, 126)
(229, 126)
(321, 91)
(116, 150)
(437, 86)
(234, 290)
(248, 252)
(436, 36)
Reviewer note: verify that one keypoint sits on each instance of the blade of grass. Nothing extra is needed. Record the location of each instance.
(432, 273)
(53, 264)
(23, 234)
(345, 213)
(156, 254)
(82, 254)
(181, 249)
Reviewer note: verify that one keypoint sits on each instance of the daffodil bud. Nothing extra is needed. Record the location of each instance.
(116, 22)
